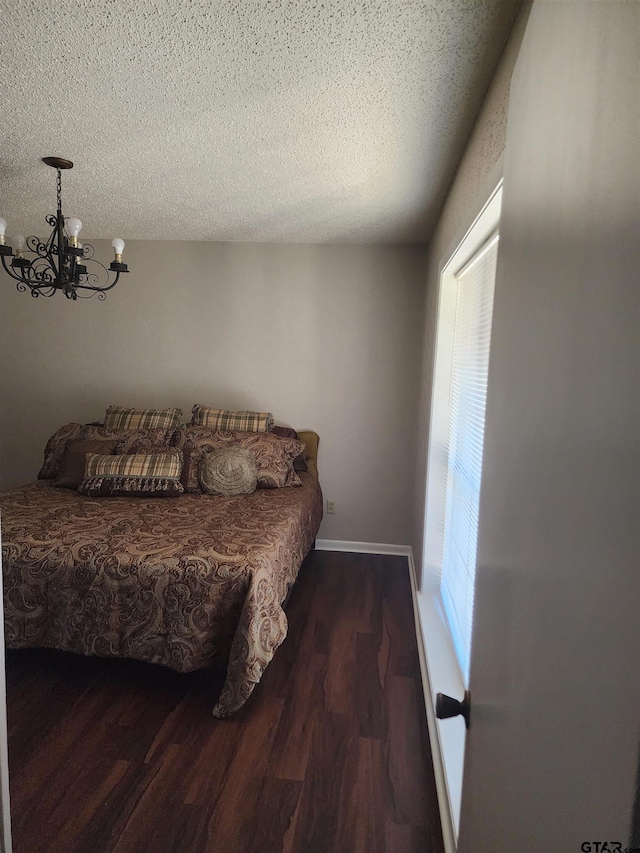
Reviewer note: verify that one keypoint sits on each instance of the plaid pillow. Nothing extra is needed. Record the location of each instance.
(119, 417)
(134, 465)
(221, 419)
(137, 474)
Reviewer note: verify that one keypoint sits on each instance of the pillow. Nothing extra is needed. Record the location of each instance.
(221, 419)
(54, 450)
(230, 471)
(193, 442)
(72, 464)
(139, 474)
(119, 417)
(287, 432)
(273, 455)
(130, 440)
(133, 441)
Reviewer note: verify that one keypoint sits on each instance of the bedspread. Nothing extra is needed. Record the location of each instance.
(183, 582)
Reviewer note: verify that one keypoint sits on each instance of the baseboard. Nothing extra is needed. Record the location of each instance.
(444, 804)
(362, 547)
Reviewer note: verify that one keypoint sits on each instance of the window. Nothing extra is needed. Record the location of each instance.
(467, 404)
(457, 424)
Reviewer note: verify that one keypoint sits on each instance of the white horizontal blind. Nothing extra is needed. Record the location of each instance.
(469, 372)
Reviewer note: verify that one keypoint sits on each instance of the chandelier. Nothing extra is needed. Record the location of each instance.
(61, 262)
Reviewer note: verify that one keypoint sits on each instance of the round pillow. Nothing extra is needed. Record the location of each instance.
(230, 471)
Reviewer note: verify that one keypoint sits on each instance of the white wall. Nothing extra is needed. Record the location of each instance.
(477, 176)
(326, 337)
(553, 745)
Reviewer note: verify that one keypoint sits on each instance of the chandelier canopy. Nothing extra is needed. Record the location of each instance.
(61, 262)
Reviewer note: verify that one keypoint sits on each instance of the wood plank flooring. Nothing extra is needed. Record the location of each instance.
(330, 754)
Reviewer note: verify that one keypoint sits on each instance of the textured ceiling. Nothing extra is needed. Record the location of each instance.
(264, 120)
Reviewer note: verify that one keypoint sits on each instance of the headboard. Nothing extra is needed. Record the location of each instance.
(310, 453)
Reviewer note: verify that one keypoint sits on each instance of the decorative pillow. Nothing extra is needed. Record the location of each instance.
(274, 455)
(287, 432)
(221, 419)
(119, 417)
(54, 450)
(230, 471)
(72, 465)
(193, 442)
(130, 440)
(140, 474)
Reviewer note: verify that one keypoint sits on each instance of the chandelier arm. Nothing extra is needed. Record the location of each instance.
(35, 289)
(45, 251)
(99, 289)
(7, 270)
(48, 256)
(101, 295)
(13, 275)
(42, 273)
(88, 276)
(52, 242)
(35, 245)
(24, 283)
(42, 290)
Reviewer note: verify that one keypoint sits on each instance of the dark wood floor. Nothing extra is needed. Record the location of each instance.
(330, 754)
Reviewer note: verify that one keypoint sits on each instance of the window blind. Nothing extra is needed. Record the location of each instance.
(469, 371)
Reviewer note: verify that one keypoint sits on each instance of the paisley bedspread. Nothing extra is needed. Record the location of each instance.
(183, 582)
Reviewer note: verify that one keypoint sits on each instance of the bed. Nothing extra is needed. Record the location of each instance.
(185, 582)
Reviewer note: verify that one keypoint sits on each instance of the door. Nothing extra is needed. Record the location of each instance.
(551, 753)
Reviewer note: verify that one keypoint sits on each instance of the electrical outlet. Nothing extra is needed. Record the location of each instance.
(331, 507)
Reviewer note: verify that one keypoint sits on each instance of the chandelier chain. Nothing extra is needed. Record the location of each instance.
(59, 190)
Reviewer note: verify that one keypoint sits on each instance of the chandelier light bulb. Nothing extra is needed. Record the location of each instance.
(3, 228)
(73, 226)
(18, 244)
(118, 245)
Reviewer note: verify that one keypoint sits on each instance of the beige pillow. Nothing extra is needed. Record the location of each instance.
(230, 471)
